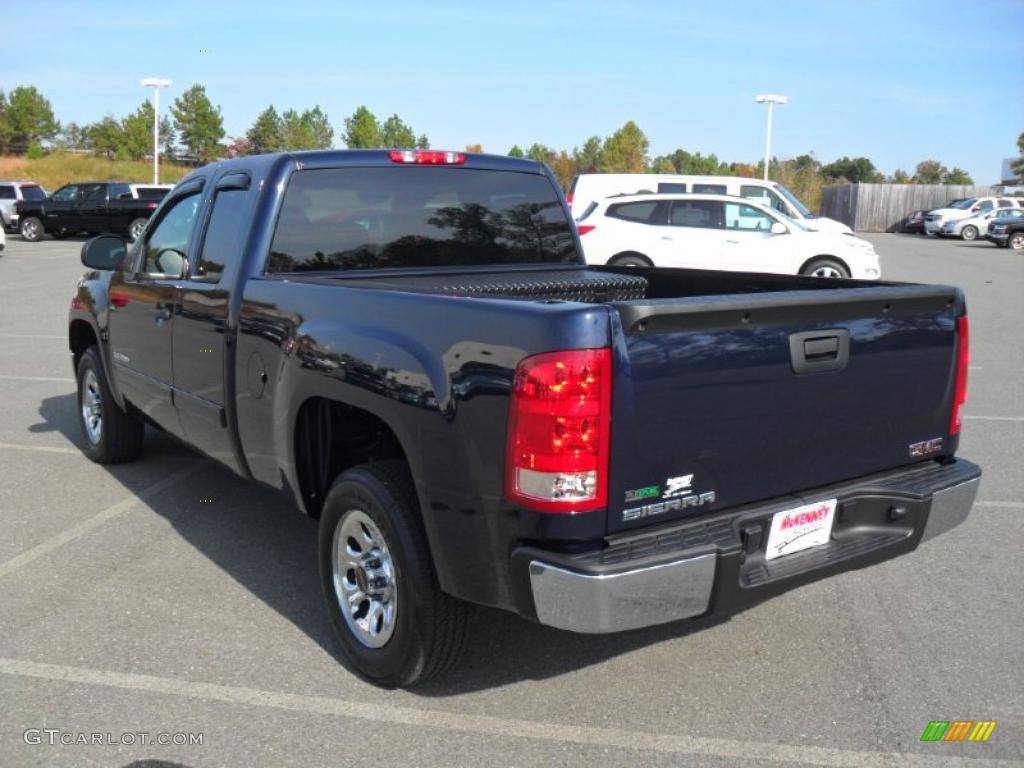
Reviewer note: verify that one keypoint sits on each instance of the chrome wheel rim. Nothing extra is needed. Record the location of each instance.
(969, 233)
(92, 408)
(29, 230)
(1017, 242)
(826, 271)
(364, 579)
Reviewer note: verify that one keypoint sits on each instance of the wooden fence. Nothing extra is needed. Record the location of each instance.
(885, 207)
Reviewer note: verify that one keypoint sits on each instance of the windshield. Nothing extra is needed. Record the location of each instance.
(794, 201)
(371, 218)
(32, 192)
(963, 205)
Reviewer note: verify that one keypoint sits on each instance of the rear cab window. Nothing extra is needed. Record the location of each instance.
(32, 192)
(405, 217)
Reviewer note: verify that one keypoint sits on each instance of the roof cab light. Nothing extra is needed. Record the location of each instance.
(559, 429)
(963, 357)
(426, 157)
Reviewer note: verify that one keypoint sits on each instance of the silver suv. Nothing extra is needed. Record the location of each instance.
(10, 193)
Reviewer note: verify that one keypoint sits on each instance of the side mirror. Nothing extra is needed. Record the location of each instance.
(104, 252)
(778, 228)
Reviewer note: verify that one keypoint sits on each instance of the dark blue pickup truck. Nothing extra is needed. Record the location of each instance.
(410, 346)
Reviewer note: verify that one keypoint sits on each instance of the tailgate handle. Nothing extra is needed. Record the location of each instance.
(818, 351)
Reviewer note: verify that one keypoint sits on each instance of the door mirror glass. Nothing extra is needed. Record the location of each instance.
(104, 252)
(778, 228)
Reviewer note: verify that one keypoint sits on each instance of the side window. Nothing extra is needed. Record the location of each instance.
(91, 194)
(66, 194)
(225, 234)
(670, 187)
(1005, 203)
(985, 205)
(709, 189)
(120, 192)
(764, 196)
(166, 248)
(747, 217)
(707, 214)
(640, 211)
(6, 193)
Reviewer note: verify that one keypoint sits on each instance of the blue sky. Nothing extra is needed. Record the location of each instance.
(895, 81)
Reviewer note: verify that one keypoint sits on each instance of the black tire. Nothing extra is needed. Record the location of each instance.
(59, 234)
(135, 228)
(429, 627)
(1016, 241)
(825, 265)
(31, 229)
(969, 232)
(119, 438)
(630, 260)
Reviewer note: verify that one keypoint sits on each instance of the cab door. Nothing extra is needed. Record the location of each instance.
(693, 236)
(142, 304)
(60, 212)
(749, 244)
(203, 353)
(91, 209)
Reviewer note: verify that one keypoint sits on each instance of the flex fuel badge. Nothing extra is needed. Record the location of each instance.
(650, 492)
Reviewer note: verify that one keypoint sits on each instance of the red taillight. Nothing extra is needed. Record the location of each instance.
(151, 206)
(584, 228)
(559, 429)
(426, 157)
(568, 199)
(77, 303)
(963, 357)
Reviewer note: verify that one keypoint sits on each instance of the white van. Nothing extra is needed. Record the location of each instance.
(588, 188)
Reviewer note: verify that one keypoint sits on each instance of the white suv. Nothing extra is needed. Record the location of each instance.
(717, 232)
(965, 209)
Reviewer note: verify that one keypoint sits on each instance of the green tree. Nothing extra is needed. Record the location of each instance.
(477, 148)
(395, 134)
(564, 167)
(1017, 165)
(26, 117)
(662, 165)
(929, 172)
(423, 142)
(540, 153)
(684, 162)
(265, 133)
(106, 137)
(857, 170)
(957, 176)
(588, 158)
(625, 151)
(899, 176)
(198, 123)
(516, 151)
(362, 131)
(318, 128)
(137, 130)
(73, 136)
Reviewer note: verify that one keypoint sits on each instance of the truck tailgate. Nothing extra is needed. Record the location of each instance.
(724, 400)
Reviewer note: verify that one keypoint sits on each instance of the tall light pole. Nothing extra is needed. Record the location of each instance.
(156, 83)
(771, 99)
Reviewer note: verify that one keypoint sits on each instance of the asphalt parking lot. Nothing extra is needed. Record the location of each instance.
(168, 596)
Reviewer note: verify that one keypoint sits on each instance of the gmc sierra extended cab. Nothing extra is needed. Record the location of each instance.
(411, 347)
(98, 206)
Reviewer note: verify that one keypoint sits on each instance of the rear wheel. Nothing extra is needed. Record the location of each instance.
(135, 228)
(395, 625)
(31, 229)
(969, 232)
(630, 260)
(111, 435)
(1016, 241)
(825, 268)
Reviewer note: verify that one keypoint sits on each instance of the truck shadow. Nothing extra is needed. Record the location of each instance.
(260, 541)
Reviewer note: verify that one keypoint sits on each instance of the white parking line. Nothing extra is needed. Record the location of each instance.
(31, 336)
(1001, 504)
(40, 448)
(751, 751)
(995, 418)
(11, 377)
(72, 533)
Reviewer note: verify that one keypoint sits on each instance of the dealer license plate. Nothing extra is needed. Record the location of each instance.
(800, 528)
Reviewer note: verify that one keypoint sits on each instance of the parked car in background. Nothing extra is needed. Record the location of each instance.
(1007, 232)
(975, 226)
(150, 191)
(10, 193)
(915, 222)
(3, 239)
(964, 209)
(93, 207)
(718, 232)
(588, 188)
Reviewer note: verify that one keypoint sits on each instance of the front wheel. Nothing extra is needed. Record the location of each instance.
(135, 228)
(31, 229)
(1016, 241)
(395, 625)
(969, 232)
(111, 435)
(825, 268)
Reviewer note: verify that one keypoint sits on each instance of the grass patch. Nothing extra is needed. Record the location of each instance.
(57, 169)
